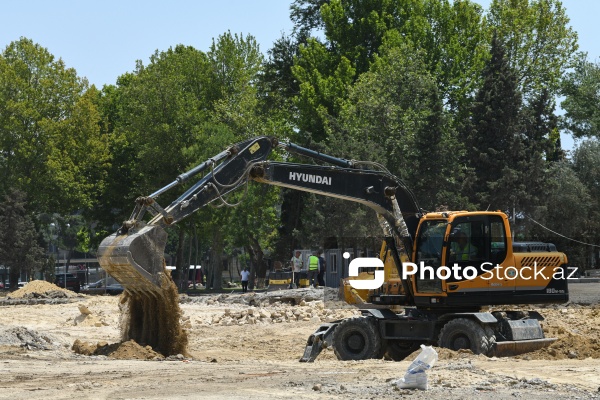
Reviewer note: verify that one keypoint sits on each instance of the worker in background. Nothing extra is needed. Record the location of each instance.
(245, 274)
(321, 268)
(313, 270)
(297, 264)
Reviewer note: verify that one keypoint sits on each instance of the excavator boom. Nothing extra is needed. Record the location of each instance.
(134, 255)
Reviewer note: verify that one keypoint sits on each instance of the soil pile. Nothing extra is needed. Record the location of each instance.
(41, 289)
(154, 320)
(129, 350)
(576, 328)
(568, 345)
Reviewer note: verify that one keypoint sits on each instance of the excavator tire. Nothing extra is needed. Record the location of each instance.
(356, 339)
(398, 350)
(462, 333)
(491, 340)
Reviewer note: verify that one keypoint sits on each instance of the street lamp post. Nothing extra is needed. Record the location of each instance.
(54, 237)
(65, 255)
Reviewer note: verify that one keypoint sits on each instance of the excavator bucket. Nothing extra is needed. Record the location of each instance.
(136, 259)
(524, 335)
(513, 348)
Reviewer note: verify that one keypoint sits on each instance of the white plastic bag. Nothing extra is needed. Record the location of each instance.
(416, 375)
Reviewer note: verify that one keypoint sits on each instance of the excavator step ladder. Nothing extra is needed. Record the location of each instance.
(318, 341)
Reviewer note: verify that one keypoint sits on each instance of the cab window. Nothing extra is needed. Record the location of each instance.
(477, 239)
(430, 241)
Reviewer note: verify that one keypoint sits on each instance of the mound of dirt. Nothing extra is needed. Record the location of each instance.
(129, 350)
(568, 345)
(41, 289)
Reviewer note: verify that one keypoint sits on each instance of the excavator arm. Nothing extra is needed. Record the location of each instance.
(134, 255)
(377, 190)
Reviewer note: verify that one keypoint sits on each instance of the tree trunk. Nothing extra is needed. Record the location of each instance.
(259, 268)
(13, 278)
(216, 253)
(68, 259)
(179, 262)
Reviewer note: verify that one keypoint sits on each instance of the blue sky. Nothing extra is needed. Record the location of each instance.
(103, 39)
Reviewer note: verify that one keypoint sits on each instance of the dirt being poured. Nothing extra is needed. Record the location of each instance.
(154, 320)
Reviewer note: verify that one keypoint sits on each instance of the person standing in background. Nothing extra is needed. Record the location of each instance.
(245, 274)
(297, 264)
(313, 270)
(321, 274)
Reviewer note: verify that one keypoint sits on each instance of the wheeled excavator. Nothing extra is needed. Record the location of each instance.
(415, 304)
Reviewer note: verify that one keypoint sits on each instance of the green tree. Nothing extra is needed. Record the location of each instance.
(161, 106)
(50, 142)
(451, 36)
(306, 16)
(184, 107)
(153, 117)
(19, 247)
(236, 63)
(394, 116)
(567, 209)
(540, 134)
(539, 42)
(325, 79)
(581, 89)
(495, 149)
(586, 164)
(277, 88)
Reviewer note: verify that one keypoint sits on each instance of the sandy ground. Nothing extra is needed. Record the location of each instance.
(237, 353)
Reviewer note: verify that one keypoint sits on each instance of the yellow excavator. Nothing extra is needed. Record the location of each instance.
(446, 274)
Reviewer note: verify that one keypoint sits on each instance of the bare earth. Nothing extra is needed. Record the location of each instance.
(245, 346)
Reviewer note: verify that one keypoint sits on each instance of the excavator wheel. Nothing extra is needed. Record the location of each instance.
(462, 333)
(356, 339)
(398, 350)
(491, 336)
